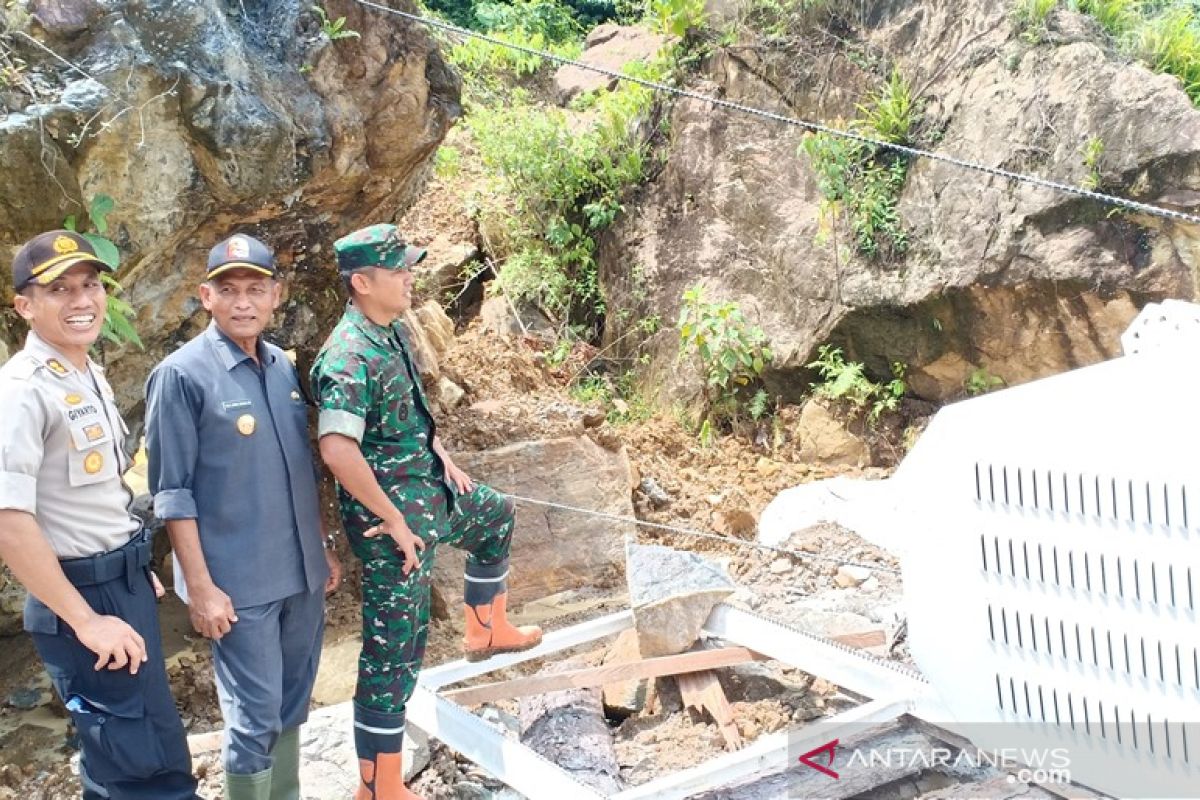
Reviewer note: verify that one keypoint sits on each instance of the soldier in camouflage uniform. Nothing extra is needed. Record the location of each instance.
(400, 495)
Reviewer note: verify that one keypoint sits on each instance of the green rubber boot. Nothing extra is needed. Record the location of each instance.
(285, 784)
(249, 787)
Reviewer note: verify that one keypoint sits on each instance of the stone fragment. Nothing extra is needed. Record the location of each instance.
(672, 593)
(627, 697)
(780, 566)
(849, 576)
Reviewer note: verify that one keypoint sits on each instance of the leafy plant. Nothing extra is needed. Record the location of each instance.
(119, 316)
(1117, 17)
(677, 17)
(447, 161)
(732, 353)
(619, 397)
(1170, 43)
(892, 112)
(847, 381)
(980, 381)
(865, 182)
(334, 29)
(1031, 17)
(1093, 151)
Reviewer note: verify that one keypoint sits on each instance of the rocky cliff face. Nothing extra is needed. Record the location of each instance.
(204, 117)
(1018, 280)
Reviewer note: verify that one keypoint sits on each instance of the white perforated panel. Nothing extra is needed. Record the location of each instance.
(1054, 568)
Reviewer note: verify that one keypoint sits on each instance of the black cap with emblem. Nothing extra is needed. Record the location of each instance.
(48, 255)
(240, 252)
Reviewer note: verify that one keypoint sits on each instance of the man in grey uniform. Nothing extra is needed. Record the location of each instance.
(67, 534)
(234, 479)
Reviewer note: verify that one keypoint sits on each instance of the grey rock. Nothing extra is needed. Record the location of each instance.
(657, 496)
(672, 593)
(737, 208)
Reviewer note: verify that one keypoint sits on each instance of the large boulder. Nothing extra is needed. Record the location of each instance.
(1012, 279)
(203, 117)
(554, 549)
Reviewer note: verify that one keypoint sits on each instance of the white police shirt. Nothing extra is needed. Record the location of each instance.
(62, 451)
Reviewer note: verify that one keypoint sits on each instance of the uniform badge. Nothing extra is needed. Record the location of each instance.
(246, 424)
(295, 395)
(73, 399)
(94, 432)
(64, 245)
(237, 248)
(93, 462)
(56, 366)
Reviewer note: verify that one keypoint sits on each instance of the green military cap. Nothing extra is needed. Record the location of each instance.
(376, 246)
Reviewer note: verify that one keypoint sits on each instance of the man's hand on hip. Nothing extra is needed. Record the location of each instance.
(408, 542)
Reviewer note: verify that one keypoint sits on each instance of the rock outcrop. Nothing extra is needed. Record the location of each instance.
(1012, 279)
(201, 118)
(554, 549)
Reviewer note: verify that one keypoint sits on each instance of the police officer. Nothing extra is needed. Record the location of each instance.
(234, 479)
(67, 534)
(395, 478)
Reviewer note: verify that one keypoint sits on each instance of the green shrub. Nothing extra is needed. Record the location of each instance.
(731, 353)
(677, 17)
(1093, 151)
(865, 182)
(847, 381)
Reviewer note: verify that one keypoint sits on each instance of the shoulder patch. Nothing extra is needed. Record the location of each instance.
(57, 367)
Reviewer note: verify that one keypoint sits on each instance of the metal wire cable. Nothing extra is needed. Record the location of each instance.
(912, 152)
(700, 534)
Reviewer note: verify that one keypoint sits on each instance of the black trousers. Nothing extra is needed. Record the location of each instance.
(132, 742)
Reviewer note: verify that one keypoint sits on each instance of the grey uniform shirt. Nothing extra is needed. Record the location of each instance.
(228, 446)
(62, 451)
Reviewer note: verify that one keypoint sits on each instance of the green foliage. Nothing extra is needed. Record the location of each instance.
(619, 397)
(1117, 17)
(119, 316)
(447, 161)
(1163, 33)
(1170, 43)
(847, 381)
(732, 354)
(586, 13)
(1031, 16)
(552, 189)
(980, 381)
(555, 22)
(1093, 151)
(677, 17)
(892, 112)
(334, 29)
(863, 181)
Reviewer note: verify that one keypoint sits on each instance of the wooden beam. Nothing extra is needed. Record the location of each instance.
(702, 691)
(598, 676)
(863, 639)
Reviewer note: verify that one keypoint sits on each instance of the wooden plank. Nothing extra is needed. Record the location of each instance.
(702, 691)
(598, 676)
(863, 639)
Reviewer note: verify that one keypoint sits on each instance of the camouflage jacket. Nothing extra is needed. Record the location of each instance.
(367, 388)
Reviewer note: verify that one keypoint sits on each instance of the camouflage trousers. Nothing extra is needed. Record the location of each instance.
(395, 606)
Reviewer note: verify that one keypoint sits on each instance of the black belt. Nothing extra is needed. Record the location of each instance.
(126, 561)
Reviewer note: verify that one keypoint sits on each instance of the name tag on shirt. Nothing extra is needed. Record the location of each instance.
(85, 422)
(230, 405)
